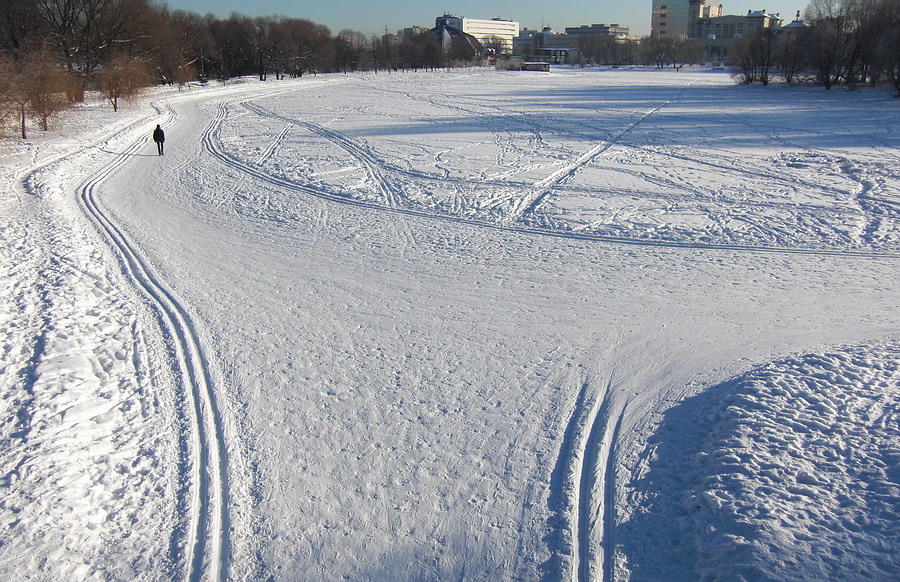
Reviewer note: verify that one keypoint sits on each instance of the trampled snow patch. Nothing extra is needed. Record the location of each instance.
(87, 461)
(789, 472)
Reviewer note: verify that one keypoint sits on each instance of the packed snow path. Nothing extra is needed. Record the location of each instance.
(426, 326)
(206, 542)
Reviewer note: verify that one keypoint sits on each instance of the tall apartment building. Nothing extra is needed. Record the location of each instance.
(670, 18)
(505, 30)
(694, 19)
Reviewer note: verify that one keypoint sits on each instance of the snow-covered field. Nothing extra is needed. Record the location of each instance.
(468, 325)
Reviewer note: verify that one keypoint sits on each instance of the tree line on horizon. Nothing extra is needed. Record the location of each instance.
(54, 51)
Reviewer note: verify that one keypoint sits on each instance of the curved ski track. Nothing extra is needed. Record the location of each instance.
(372, 165)
(212, 144)
(206, 543)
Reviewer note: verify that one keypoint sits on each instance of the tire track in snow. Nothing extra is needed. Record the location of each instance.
(273, 147)
(26, 176)
(211, 143)
(373, 165)
(206, 541)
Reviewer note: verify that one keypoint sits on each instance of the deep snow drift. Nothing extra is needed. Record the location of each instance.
(589, 324)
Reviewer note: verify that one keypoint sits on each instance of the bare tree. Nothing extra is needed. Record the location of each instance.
(231, 37)
(33, 85)
(12, 106)
(495, 45)
(21, 28)
(314, 50)
(348, 49)
(655, 50)
(790, 53)
(831, 52)
(752, 57)
(181, 45)
(123, 78)
(886, 62)
(51, 87)
(85, 32)
(600, 48)
(262, 41)
(462, 52)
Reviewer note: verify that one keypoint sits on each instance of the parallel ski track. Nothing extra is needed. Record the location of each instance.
(595, 491)
(207, 542)
(212, 144)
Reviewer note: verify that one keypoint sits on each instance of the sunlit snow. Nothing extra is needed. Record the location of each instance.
(470, 325)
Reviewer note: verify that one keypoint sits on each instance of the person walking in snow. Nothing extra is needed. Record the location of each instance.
(159, 136)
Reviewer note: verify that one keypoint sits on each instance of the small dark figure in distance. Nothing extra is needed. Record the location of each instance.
(159, 136)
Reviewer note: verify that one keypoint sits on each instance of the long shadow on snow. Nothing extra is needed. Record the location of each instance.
(794, 115)
(684, 532)
(661, 541)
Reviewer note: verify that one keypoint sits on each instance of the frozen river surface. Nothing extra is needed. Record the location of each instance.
(468, 325)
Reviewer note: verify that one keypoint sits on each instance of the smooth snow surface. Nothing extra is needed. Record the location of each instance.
(470, 325)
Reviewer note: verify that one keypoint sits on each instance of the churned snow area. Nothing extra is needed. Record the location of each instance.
(474, 325)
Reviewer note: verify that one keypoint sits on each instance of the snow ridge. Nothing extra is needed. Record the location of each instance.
(788, 472)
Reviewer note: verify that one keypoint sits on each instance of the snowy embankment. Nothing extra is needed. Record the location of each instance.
(87, 458)
(789, 472)
(458, 325)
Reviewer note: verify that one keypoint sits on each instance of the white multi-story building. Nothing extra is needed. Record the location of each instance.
(617, 31)
(483, 30)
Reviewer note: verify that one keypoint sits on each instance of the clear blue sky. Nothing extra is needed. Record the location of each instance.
(371, 16)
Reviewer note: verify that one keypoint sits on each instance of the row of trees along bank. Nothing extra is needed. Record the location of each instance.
(849, 42)
(53, 51)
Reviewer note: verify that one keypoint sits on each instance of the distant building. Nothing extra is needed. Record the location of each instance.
(694, 19)
(483, 30)
(448, 36)
(523, 44)
(616, 31)
(547, 45)
(711, 24)
(718, 31)
(795, 25)
(411, 32)
(670, 18)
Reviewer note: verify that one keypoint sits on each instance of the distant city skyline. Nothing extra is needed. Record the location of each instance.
(373, 17)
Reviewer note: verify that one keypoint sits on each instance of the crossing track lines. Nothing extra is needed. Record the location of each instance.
(546, 185)
(211, 142)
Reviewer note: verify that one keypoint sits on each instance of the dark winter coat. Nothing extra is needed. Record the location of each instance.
(159, 135)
